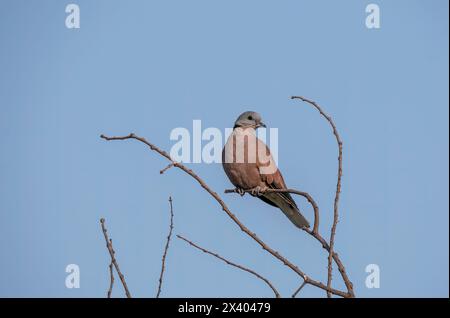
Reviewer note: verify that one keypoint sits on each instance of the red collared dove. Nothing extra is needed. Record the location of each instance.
(249, 166)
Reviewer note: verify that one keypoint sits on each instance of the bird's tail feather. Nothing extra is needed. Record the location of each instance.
(286, 204)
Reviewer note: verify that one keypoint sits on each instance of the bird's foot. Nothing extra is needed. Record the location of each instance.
(240, 191)
(258, 191)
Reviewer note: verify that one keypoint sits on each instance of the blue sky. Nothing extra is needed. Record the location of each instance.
(150, 66)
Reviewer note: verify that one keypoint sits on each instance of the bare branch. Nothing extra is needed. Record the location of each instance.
(231, 215)
(113, 259)
(338, 189)
(166, 248)
(277, 294)
(300, 193)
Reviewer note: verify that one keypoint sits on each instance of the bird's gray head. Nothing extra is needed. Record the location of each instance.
(249, 119)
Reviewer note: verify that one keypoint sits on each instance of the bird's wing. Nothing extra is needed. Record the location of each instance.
(282, 200)
(273, 180)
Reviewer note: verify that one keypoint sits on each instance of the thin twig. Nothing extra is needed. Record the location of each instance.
(166, 248)
(298, 290)
(338, 187)
(166, 168)
(111, 282)
(113, 258)
(277, 294)
(231, 215)
(300, 193)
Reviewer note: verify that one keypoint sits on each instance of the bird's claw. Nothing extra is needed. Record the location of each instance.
(240, 191)
(257, 191)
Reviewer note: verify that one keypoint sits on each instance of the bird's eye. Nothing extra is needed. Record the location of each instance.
(250, 117)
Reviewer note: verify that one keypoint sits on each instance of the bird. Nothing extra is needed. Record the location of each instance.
(250, 167)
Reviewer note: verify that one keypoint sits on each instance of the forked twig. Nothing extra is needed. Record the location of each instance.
(113, 258)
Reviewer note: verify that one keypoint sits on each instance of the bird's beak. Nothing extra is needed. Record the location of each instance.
(261, 124)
